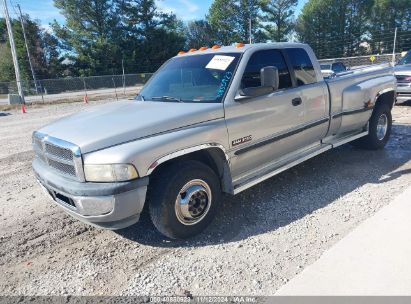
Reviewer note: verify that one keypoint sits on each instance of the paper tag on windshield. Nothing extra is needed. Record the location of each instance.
(220, 62)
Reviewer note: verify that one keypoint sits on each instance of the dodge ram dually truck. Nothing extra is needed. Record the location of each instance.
(209, 121)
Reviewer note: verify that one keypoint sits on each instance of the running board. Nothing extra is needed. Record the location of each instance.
(258, 179)
(345, 140)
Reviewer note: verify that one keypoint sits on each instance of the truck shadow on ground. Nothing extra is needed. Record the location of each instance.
(405, 104)
(293, 194)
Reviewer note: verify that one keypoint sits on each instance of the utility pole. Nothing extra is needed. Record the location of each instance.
(13, 51)
(393, 50)
(250, 30)
(27, 48)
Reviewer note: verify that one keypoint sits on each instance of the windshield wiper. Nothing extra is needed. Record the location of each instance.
(168, 98)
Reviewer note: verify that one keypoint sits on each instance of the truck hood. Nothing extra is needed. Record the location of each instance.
(118, 122)
(403, 70)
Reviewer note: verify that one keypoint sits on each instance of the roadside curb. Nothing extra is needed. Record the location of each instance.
(373, 259)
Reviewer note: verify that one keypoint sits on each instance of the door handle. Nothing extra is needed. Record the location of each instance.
(297, 101)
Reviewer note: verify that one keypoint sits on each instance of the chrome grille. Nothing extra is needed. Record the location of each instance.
(64, 168)
(59, 155)
(59, 152)
(37, 143)
(41, 156)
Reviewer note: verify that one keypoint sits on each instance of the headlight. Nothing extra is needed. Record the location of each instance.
(110, 173)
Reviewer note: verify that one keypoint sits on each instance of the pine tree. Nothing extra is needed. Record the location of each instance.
(151, 35)
(279, 14)
(230, 20)
(199, 33)
(45, 63)
(91, 34)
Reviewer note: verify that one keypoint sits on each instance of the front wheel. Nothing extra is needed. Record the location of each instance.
(183, 199)
(379, 129)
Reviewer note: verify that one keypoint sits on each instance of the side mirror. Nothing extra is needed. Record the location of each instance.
(269, 83)
(269, 77)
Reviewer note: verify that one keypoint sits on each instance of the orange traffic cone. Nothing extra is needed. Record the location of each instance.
(23, 110)
(85, 99)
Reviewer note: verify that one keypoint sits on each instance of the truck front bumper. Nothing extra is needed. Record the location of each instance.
(403, 92)
(106, 205)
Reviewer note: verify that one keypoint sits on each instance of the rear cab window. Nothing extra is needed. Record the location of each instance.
(302, 65)
(261, 59)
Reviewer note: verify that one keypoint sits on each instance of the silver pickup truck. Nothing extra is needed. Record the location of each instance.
(210, 121)
(403, 73)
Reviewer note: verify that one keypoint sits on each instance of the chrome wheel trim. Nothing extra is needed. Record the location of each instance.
(193, 202)
(382, 126)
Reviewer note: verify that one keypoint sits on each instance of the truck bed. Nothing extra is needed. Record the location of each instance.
(353, 95)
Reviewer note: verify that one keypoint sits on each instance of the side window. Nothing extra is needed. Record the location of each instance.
(261, 59)
(339, 67)
(303, 67)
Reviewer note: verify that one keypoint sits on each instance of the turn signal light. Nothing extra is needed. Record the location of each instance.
(181, 53)
(216, 47)
(192, 50)
(203, 48)
(239, 45)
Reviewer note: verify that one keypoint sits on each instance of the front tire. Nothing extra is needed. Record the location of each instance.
(379, 129)
(183, 199)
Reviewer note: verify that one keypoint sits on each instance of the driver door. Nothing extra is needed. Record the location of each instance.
(261, 128)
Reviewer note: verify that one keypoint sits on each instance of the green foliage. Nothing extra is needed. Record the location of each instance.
(223, 20)
(337, 28)
(46, 63)
(149, 36)
(230, 19)
(386, 15)
(279, 14)
(6, 63)
(199, 33)
(99, 35)
(90, 37)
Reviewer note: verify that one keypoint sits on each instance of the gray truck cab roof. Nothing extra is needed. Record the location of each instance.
(242, 48)
(248, 49)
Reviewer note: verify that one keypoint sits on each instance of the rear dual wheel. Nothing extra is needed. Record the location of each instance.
(379, 130)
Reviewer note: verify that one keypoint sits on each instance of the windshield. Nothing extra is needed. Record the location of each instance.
(325, 67)
(198, 78)
(406, 59)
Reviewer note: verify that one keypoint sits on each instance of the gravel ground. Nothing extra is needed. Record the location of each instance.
(260, 239)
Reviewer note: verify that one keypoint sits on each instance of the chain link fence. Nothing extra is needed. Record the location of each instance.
(120, 86)
(359, 61)
(76, 88)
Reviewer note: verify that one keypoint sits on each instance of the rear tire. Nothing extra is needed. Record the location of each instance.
(183, 199)
(379, 129)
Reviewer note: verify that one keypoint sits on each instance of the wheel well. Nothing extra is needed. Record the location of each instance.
(212, 157)
(387, 98)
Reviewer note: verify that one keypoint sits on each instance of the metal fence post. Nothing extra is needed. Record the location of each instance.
(124, 78)
(41, 90)
(115, 88)
(85, 90)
